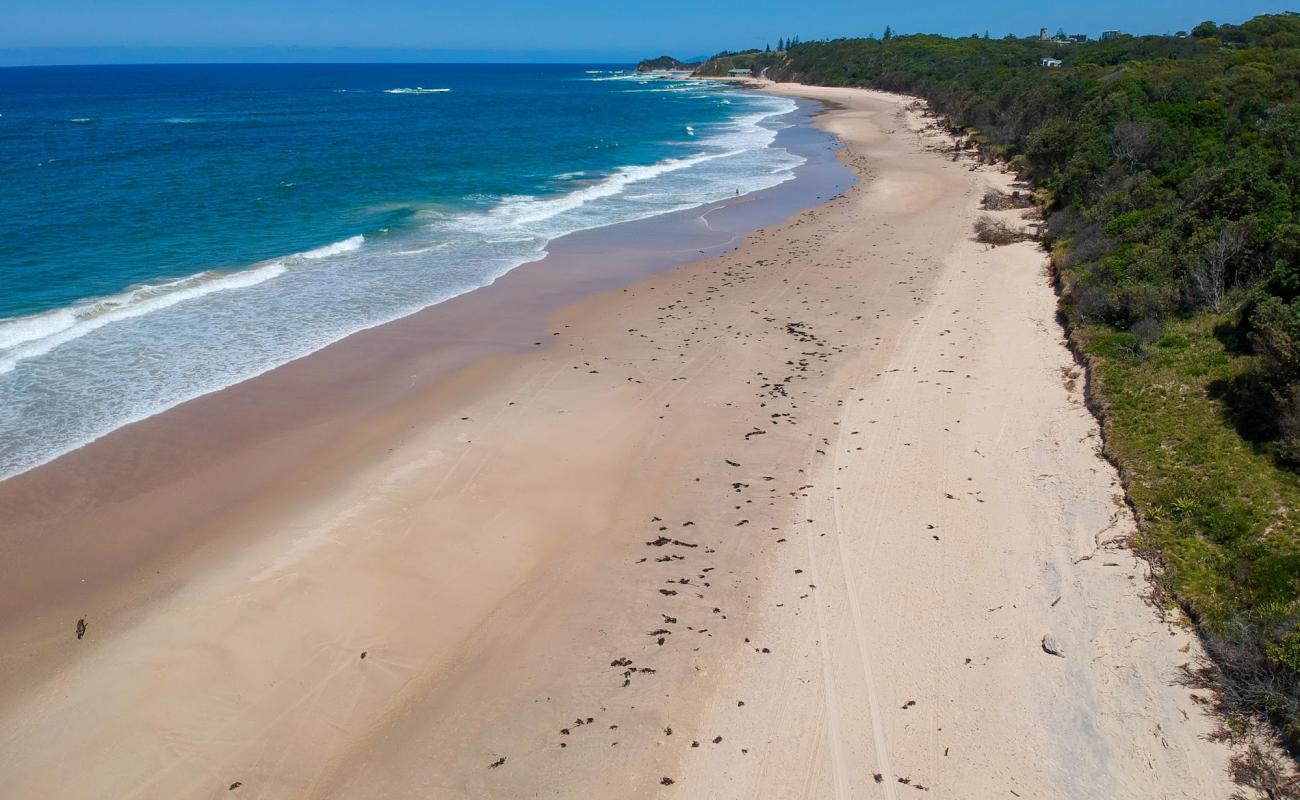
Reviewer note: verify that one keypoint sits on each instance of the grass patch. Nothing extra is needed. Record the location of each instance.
(1219, 515)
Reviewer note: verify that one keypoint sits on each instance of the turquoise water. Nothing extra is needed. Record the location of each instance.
(166, 231)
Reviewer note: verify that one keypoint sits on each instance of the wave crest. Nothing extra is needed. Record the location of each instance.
(415, 90)
(27, 337)
(346, 246)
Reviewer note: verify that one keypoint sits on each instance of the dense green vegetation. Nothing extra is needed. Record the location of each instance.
(1169, 169)
(749, 59)
(663, 63)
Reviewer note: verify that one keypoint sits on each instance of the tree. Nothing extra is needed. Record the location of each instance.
(1131, 142)
(780, 44)
(1282, 126)
(1205, 30)
(889, 33)
(767, 49)
(1209, 269)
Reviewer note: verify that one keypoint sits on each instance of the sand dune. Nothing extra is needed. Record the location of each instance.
(790, 522)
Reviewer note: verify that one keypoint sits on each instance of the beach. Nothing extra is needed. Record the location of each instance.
(821, 515)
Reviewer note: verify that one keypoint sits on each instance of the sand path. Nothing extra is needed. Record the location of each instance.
(791, 522)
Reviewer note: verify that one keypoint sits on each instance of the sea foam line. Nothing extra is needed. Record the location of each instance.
(35, 335)
(523, 210)
(38, 334)
(415, 90)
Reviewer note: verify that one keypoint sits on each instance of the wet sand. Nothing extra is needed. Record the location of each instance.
(792, 520)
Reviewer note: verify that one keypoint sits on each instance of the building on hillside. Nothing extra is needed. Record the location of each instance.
(1061, 37)
(1043, 34)
(740, 73)
(1048, 61)
(1108, 35)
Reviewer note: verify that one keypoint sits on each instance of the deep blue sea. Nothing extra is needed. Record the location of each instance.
(166, 231)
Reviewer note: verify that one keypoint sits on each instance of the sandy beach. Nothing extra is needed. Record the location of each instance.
(801, 519)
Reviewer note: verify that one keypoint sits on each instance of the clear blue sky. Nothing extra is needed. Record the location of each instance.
(80, 31)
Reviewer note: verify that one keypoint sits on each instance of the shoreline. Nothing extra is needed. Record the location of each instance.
(792, 520)
(227, 427)
(64, 397)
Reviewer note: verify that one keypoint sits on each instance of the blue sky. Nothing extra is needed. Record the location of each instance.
(83, 31)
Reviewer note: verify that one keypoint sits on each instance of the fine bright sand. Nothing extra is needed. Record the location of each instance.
(789, 522)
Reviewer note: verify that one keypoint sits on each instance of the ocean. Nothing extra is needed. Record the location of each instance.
(167, 231)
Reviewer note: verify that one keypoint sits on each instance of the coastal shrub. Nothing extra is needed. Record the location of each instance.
(1090, 302)
(1275, 336)
(1287, 442)
(1088, 244)
(1146, 331)
(1252, 678)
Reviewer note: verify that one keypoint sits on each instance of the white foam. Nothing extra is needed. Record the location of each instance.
(346, 246)
(641, 76)
(674, 86)
(18, 330)
(744, 134)
(521, 211)
(415, 90)
(418, 250)
(27, 337)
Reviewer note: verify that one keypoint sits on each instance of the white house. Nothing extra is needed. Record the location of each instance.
(1048, 61)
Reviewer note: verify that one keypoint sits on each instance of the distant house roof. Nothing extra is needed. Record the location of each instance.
(736, 73)
(1047, 61)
